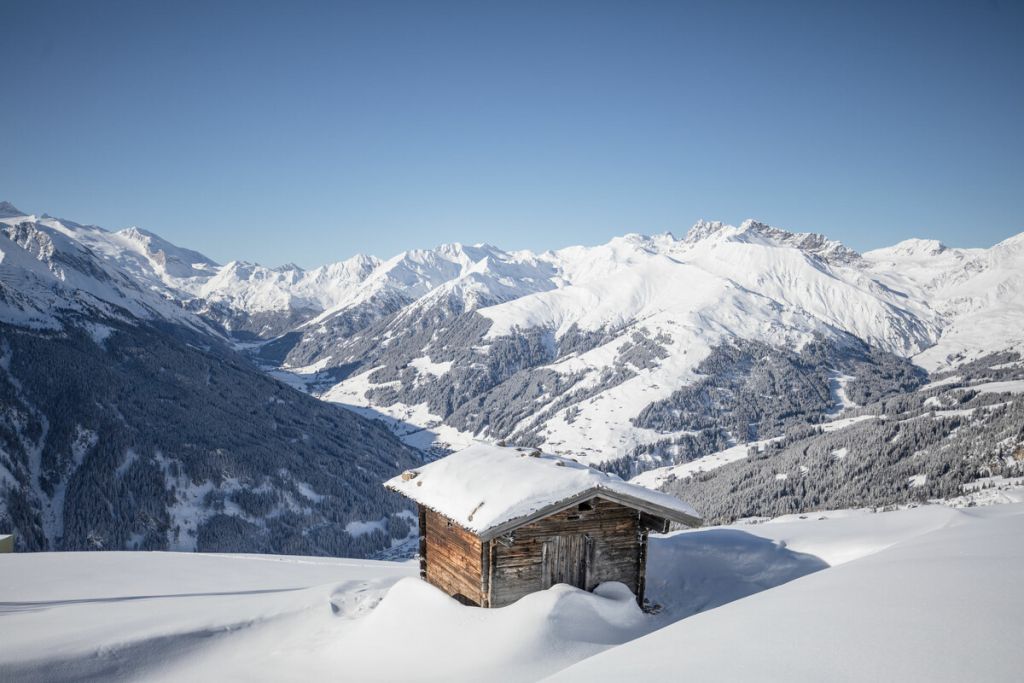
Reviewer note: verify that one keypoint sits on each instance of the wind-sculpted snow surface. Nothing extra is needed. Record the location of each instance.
(934, 607)
(842, 594)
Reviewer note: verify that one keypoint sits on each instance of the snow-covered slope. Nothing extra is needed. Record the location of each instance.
(265, 301)
(248, 297)
(620, 327)
(876, 618)
(902, 298)
(239, 296)
(50, 268)
(628, 323)
(749, 281)
(948, 438)
(451, 279)
(129, 423)
(979, 293)
(146, 255)
(598, 351)
(840, 595)
(480, 273)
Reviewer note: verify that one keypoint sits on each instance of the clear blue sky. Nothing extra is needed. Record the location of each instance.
(308, 132)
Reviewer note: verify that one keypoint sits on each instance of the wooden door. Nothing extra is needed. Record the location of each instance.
(566, 559)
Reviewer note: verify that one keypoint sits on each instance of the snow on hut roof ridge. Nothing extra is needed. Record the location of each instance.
(484, 487)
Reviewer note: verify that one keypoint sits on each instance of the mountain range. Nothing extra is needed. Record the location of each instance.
(129, 420)
(644, 352)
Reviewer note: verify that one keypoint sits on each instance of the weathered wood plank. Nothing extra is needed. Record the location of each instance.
(443, 577)
(497, 573)
(516, 570)
(451, 534)
(450, 577)
(453, 558)
(456, 562)
(485, 570)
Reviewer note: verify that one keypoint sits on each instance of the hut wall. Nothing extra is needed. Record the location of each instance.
(451, 558)
(614, 551)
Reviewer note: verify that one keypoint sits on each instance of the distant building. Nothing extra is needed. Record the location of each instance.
(6, 543)
(499, 523)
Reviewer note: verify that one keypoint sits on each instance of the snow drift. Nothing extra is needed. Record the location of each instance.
(925, 592)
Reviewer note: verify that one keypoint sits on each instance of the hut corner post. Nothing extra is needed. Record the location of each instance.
(486, 555)
(641, 578)
(423, 541)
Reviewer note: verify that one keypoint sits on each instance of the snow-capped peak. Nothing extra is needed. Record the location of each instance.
(8, 210)
(657, 243)
(748, 229)
(918, 247)
(1014, 243)
(703, 229)
(752, 230)
(168, 261)
(134, 233)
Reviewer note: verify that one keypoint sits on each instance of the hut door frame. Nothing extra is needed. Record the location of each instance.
(567, 558)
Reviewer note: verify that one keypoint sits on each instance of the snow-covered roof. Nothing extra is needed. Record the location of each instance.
(489, 489)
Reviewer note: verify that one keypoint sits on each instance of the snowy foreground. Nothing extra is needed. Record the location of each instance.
(931, 593)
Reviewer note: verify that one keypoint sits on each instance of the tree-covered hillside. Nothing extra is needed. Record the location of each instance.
(122, 436)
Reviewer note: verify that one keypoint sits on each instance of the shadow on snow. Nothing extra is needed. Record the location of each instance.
(692, 572)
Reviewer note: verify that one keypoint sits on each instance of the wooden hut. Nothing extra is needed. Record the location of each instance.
(498, 523)
(6, 543)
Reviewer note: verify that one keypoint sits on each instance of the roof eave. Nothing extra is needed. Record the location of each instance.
(596, 492)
